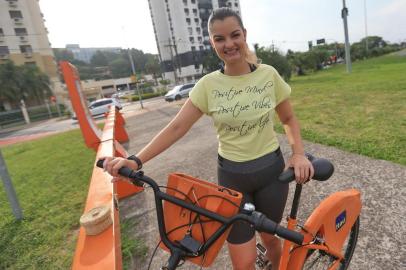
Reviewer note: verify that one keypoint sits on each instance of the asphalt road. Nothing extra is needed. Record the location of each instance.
(382, 235)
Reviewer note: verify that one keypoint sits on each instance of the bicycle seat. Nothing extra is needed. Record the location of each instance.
(323, 170)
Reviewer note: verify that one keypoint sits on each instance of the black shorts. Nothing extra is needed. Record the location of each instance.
(257, 181)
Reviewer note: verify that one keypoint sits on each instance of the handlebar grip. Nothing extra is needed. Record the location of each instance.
(290, 235)
(99, 163)
(123, 171)
(264, 224)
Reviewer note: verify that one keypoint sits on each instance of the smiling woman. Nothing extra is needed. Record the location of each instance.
(242, 99)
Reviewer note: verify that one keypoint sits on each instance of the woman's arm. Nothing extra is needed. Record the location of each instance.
(176, 129)
(302, 166)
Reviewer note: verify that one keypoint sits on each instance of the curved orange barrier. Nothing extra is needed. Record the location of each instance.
(102, 251)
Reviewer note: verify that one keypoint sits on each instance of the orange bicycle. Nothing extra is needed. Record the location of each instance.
(330, 233)
(326, 241)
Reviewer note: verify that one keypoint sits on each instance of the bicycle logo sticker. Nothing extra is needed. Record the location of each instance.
(340, 220)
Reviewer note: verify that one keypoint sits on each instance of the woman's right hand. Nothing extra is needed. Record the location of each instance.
(113, 164)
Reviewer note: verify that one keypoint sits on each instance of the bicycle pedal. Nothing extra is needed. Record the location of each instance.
(191, 244)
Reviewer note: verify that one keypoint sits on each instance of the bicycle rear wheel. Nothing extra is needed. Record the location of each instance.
(321, 260)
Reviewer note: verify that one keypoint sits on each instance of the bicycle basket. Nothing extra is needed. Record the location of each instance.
(207, 195)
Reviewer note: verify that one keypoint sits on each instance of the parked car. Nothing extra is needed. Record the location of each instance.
(99, 107)
(179, 92)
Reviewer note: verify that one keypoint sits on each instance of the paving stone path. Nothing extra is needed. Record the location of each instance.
(381, 243)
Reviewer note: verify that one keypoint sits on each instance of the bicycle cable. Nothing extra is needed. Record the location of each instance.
(190, 217)
(174, 229)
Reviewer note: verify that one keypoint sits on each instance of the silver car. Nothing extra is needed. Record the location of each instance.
(99, 107)
(179, 92)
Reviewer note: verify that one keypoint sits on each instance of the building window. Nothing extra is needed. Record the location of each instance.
(25, 48)
(188, 21)
(198, 30)
(4, 50)
(192, 39)
(185, 2)
(236, 4)
(15, 14)
(20, 31)
(199, 39)
(229, 4)
(31, 64)
(193, 48)
(190, 30)
(187, 11)
(193, 1)
(196, 20)
(201, 48)
(1, 32)
(195, 12)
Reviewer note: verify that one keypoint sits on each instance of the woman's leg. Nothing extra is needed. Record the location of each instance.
(271, 200)
(274, 248)
(243, 256)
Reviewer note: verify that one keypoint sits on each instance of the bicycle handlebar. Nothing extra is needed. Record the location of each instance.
(259, 220)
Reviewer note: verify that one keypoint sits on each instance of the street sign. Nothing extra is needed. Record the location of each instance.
(321, 41)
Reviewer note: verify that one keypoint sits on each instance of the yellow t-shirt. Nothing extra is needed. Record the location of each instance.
(242, 108)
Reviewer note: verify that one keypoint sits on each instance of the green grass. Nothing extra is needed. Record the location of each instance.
(363, 112)
(51, 178)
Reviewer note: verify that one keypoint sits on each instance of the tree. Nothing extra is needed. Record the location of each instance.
(274, 58)
(152, 67)
(23, 83)
(99, 60)
(211, 62)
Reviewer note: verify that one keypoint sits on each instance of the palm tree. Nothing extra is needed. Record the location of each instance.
(23, 83)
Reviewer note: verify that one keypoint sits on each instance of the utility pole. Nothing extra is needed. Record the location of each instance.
(366, 27)
(344, 14)
(136, 83)
(170, 45)
(8, 186)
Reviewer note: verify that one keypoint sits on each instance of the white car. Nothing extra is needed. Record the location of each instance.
(179, 92)
(99, 107)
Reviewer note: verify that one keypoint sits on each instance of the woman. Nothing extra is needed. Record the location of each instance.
(241, 98)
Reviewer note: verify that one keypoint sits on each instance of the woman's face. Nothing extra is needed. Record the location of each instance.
(228, 40)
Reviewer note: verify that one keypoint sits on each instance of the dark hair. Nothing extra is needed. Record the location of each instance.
(221, 14)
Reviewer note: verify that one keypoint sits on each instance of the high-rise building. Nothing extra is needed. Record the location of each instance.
(24, 40)
(182, 36)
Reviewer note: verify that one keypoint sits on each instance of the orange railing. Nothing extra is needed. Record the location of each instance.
(102, 251)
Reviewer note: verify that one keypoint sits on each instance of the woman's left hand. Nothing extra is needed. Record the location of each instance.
(302, 166)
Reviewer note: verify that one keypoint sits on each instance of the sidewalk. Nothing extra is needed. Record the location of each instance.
(382, 233)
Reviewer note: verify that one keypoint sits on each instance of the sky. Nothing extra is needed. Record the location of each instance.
(287, 24)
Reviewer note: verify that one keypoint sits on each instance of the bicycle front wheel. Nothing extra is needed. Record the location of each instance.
(321, 260)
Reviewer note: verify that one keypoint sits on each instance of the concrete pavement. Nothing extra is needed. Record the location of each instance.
(382, 234)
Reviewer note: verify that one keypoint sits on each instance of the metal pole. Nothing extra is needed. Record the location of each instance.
(8, 186)
(366, 27)
(133, 71)
(170, 45)
(344, 14)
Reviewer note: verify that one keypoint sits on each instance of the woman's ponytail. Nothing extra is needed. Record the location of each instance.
(251, 57)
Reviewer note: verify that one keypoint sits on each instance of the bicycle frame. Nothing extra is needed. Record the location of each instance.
(348, 201)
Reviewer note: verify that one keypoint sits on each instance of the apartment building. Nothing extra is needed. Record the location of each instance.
(24, 40)
(181, 35)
